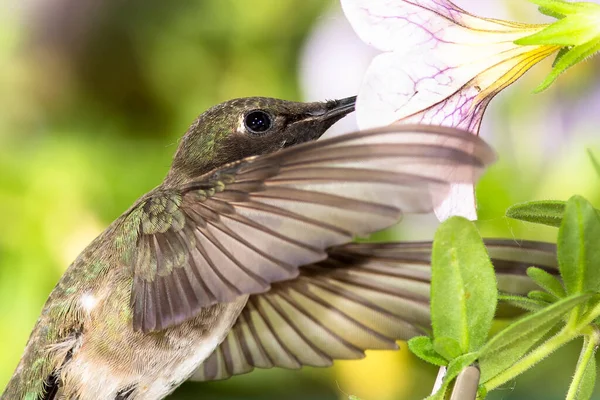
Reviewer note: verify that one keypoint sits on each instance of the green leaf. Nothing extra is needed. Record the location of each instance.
(458, 364)
(551, 13)
(422, 347)
(594, 161)
(570, 57)
(584, 379)
(463, 285)
(559, 7)
(586, 388)
(447, 347)
(481, 392)
(568, 31)
(546, 212)
(514, 341)
(560, 55)
(542, 296)
(546, 281)
(578, 250)
(577, 31)
(522, 302)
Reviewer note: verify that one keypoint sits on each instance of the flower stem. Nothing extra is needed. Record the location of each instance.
(537, 355)
(587, 352)
(589, 316)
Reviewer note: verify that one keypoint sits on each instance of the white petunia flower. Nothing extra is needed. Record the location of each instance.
(441, 66)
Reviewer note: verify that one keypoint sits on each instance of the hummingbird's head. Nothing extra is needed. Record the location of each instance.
(252, 126)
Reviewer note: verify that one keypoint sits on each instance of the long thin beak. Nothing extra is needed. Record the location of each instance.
(337, 109)
(319, 117)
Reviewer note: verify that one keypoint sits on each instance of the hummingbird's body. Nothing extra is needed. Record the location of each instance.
(84, 335)
(213, 253)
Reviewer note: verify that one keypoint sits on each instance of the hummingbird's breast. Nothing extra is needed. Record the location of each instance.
(116, 362)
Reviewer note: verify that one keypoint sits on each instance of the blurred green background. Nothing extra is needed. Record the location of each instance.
(95, 94)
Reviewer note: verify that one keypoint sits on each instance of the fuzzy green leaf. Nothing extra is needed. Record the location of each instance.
(586, 388)
(564, 32)
(584, 379)
(547, 281)
(560, 55)
(578, 250)
(570, 57)
(577, 31)
(458, 364)
(542, 296)
(513, 342)
(447, 347)
(551, 13)
(546, 212)
(559, 7)
(463, 285)
(522, 302)
(422, 347)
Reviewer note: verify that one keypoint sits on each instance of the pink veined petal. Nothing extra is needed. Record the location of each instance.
(433, 89)
(442, 67)
(427, 91)
(402, 25)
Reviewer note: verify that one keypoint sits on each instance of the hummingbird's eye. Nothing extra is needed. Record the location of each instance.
(257, 121)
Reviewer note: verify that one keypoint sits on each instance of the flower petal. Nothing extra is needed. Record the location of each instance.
(429, 90)
(442, 67)
(460, 202)
(401, 25)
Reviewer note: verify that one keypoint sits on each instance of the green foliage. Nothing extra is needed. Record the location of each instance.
(568, 57)
(73, 158)
(463, 287)
(547, 212)
(509, 345)
(447, 347)
(525, 303)
(578, 250)
(546, 281)
(577, 31)
(560, 311)
(422, 346)
(541, 296)
(585, 372)
(463, 300)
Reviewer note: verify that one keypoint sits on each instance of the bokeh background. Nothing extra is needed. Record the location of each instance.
(95, 94)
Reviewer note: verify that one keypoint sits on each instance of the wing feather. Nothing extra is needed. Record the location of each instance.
(242, 227)
(363, 296)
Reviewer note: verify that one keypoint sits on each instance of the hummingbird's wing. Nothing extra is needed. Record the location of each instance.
(239, 228)
(363, 297)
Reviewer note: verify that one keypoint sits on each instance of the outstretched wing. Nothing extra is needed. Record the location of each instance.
(363, 297)
(238, 229)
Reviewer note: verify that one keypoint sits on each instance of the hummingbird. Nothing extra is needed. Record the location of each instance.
(237, 259)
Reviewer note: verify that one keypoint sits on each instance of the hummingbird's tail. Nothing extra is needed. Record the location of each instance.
(363, 296)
